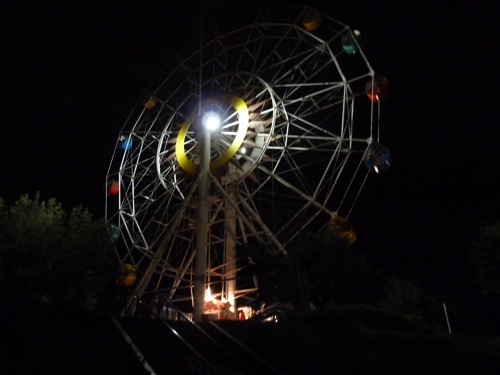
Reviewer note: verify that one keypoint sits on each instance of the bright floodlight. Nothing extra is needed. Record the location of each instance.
(211, 121)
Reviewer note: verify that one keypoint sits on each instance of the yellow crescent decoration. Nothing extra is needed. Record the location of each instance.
(241, 108)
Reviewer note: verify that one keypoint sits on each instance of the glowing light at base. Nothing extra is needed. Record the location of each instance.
(208, 295)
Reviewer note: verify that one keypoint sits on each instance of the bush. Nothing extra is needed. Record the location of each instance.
(349, 318)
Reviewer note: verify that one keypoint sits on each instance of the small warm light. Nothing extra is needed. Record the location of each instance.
(243, 150)
(373, 97)
(375, 168)
(208, 295)
(211, 121)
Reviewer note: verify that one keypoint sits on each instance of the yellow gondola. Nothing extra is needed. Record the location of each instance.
(311, 20)
(127, 274)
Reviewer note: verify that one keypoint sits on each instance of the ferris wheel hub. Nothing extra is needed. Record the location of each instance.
(240, 109)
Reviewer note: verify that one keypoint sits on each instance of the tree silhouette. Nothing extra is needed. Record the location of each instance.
(269, 269)
(43, 250)
(320, 271)
(326, 272)
(486, 260)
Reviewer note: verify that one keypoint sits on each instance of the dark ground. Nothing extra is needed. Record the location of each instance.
(40, 338)
(43, 339)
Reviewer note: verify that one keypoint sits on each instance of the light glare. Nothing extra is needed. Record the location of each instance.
(211, 121)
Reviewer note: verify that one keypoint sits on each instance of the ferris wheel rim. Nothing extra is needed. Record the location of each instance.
(161, 168)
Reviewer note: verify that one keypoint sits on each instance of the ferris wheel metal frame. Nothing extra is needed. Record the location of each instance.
(288, 156)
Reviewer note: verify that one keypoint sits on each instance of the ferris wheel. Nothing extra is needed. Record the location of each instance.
(294, 130)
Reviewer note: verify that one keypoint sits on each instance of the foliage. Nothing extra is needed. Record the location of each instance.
(352, 318)
(32, 234)
(3, 240)
(402, 296)
(319, 271)
(409, 299)
(270, 269)
(38, 227)
(326, 272)
(486, 260)
(45, 251)
(485, 295)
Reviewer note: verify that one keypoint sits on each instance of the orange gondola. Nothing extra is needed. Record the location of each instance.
(311, 20)
(112, 187)
(377, 88)
(126, 275)
(341, 227)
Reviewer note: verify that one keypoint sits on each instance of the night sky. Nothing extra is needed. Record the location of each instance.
(72, 71)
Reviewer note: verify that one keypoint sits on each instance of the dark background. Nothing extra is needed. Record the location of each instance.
(72, 71)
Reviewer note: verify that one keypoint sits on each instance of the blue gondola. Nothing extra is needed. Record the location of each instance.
(125, 143)
(351, 42)
(377, 158)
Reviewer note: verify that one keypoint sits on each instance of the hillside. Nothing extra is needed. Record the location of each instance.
(40, 338)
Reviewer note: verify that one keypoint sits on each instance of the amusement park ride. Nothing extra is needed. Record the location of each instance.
(265, 131)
